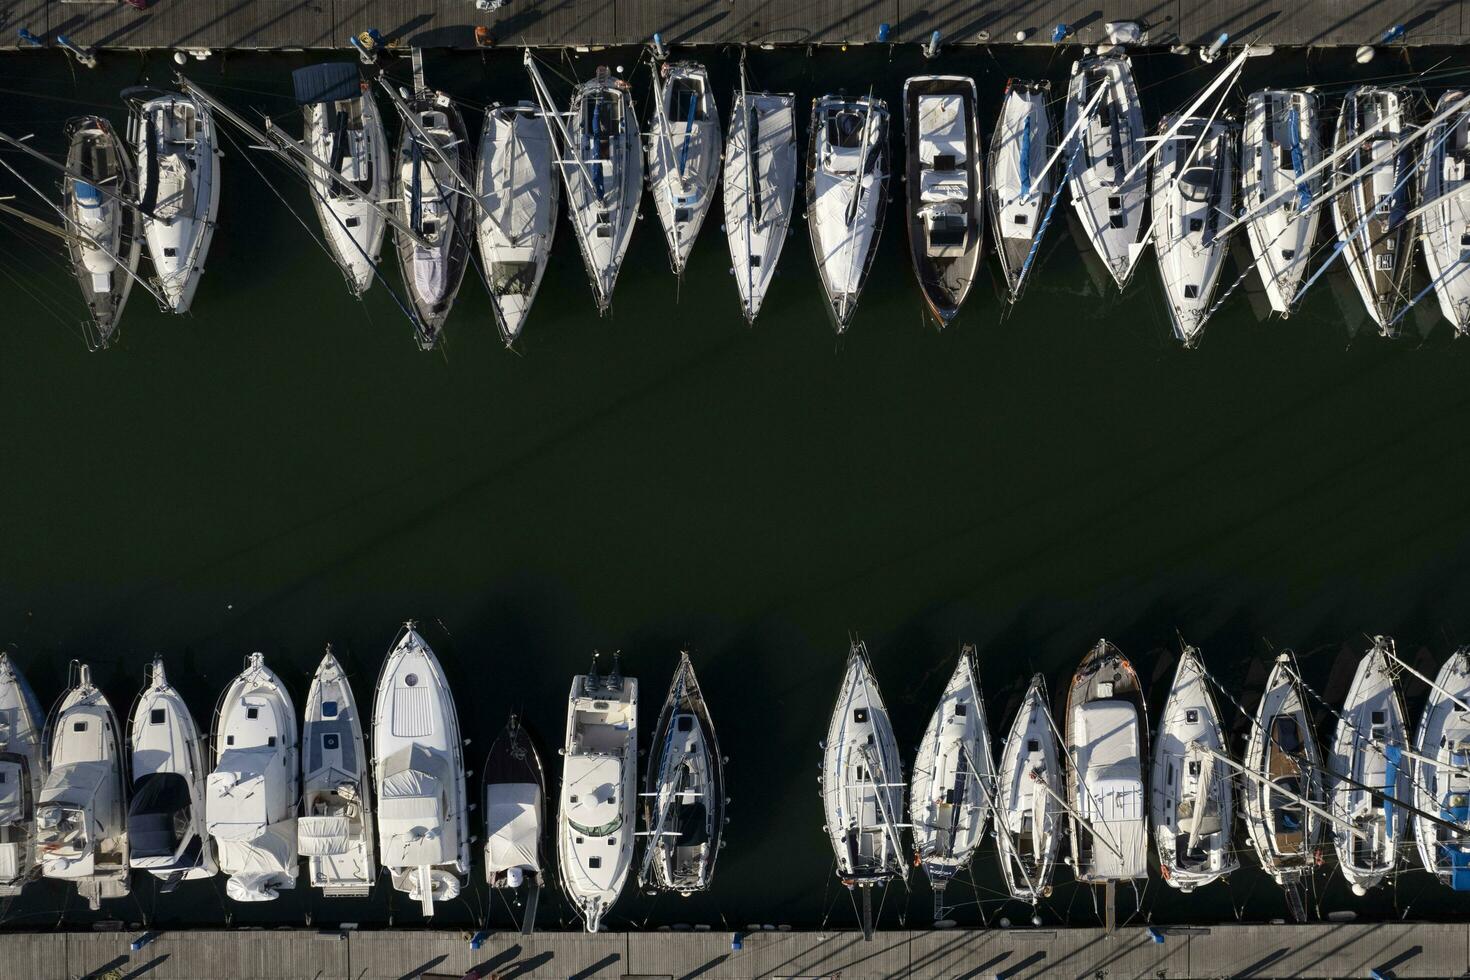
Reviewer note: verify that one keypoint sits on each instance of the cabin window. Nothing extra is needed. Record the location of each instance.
(1169, 777)
(79, 726)
(685, 723)
(579, 840)
(170, 253)
(1032, 745)
(595, 861)
(1288, 254)
(681, 216)
(1191, 292)
(270, 741)
(1465, 241)
(1385, 262)
(1194, 767)
(352, 222)
(229, 740)
(1379, 718)
(944, 161)
(1117, 220)
(157, 716)
(612, 842)
(1191, 717)
(329, 709)
(331, 741)
(755, 261)
(860, 716)
(960, 710)
(573, 798)
(1195, 224)
(1020, 219)
(252, 712)
(2, 779)
(604, 231)
(1115, 202)
(862, 774)
(949, 797)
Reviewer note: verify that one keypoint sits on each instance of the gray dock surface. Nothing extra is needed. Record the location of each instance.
(1320, 950)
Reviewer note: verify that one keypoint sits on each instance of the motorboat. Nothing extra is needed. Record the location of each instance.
(335, 832)
(82, 812)
(1021, 178)
(252, 796)
(518, 196)
(1444, 218)
(23, 767)
(846, 195)
(1370, 209)
(1028, 799)
(1280, 146)
(599, 786)
(1192, 194)
(1192, 798)
(1370, 773)
(759, 190)
(515, 818)
(945, 189)
(953, 778)
(862, 785)
(167, 833)
(1108, 188)
(178, 160)
(683, 154)
(98, 199)
(1441, 775)
(418, 766)
(683, 792)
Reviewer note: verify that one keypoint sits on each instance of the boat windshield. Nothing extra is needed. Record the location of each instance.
(87, 195)
(600, 831)
(845, 129)
(1195, 183)
(512, 278)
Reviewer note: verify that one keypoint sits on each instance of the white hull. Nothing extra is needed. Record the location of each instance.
(353, 228)
(760, 154)
(24, 765)
(1192, 193)
(1444, 229)
(846, 195)
(335, 831)
(1282, 748)
(105, 244)
(1028, 816)
(1021, 183)
(603, 175)
(1442, 787)
(684, 792)
(1106, 149)
(683, 156)
(1281, 140)
(169, 769)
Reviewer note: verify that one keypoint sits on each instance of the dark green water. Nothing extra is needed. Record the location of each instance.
(284, 469)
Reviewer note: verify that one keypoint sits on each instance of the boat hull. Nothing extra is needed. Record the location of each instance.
(1281, 139)
(759, 188)
(846, 196)
(1021, 183)
(1444, 228)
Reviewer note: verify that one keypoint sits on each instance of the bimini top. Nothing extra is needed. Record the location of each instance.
(512, 819)
(75, 784)
(334, 81)
(411, 814)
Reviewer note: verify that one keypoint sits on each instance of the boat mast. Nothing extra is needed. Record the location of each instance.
(857, 186)
(1392, 654)
(1199, 750)
(750, 189)
(1230, 71)
(35, 154)
(410, 119)
(1071, 134)
(656, 833)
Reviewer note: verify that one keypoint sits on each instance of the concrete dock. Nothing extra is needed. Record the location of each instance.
(1321, 950)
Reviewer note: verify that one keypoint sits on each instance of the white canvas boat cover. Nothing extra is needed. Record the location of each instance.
(941, 129)
(936, 186)
(239, 800)
(513, 821)
(844, 159)
(1112, 797)
(411, 817)
(75, 783)
(259, 866)
(12, 792)
(10, 861)
(324, 836)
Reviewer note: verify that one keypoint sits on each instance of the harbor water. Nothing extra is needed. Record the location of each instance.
(284, 469)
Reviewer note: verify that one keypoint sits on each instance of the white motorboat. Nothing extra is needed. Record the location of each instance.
(953, 778)
(683, 154)
(167, 834)
(846, 195)
(252, 796)
(82, 813)
(683, 792)
(518, 196)
(1028, 799)
(1441, 775)
(1444, 219)
(1371, 775)
(98, 201)
(1192, 193)
(599, 785)
(759, 189)
(1020, 178)
(1192, 799)
(1108, 191)
(178, 160)
(515, 817)
(418, 765)
(335, 832)
(1282, 142)
(945, 189)
(23, 767)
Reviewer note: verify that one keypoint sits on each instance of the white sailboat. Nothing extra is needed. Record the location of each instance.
(1028, 799)
(167, 833)
(81, 816)
(683, 154)
(335, 832)
(1020, 177)
(759, 189)
(418, 765)
(599, 786)
(1441, 775)
(846, 195)
(97, 199)
(252, 796)
(23, 768)
(1444, 219)
(515, 818)
(1281, 148)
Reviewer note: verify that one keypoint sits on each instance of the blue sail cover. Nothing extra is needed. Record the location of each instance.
(1026, 159)
(330, 82)
(87, 195)
(1392, 756)
(1303, 192)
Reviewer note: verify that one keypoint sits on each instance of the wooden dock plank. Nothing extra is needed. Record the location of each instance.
(1314, 22)
(1396, 949)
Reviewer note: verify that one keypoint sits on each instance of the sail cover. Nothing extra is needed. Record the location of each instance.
(330, 82)
(513, 821)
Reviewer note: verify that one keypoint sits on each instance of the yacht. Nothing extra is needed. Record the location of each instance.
(1028, 799)
(167, 834)
(515, 818)
(759, 190)
(335, 832)
(23, 769)
(846, 195)
(104, 241)
(418, 766)
(518, 196)
(82, 813)
(1441, 775)
(599, 785)
(251, 798)
(946, 189)
(1444, 219)
(1281, 144)
(683, 792)
(178, 161)
(683, 154)
(1021, 178)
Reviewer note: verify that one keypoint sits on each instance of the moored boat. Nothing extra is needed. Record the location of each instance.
(335, 832)
(1444, 219)
(1280, 146)
(104, 241)
(683, 154)
(1028, 799)
(23, 768)
(515, 817)
(1021, 178)
(759, 189)
(846, 195)
(1441, 775)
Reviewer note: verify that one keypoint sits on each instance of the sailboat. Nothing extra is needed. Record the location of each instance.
(178, 160)
(759, 189)
(683, 792)
(1192, 800)
(81, 816)
(335, 832)
(1441, 775)
(1280, 146)
(23, 767)
(1371, 210)
(862, 786)
(1020, 177)
(953, 778)
(515, 817)
(1192, 188)
(1108, 191)
(252, 796)
(683, 154)
(167, 833)
(518, 197)
(846, 195)
(104, 243)
(1444, 219)
(599, 785)
(418, 765)
(1372, 777)
(946, 189)
(1028, 799)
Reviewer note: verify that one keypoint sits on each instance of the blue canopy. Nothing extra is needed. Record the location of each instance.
(86, 194)
(328, 82)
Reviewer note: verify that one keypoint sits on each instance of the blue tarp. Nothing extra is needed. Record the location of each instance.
(326, 83)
